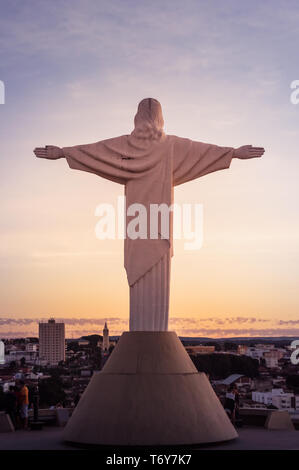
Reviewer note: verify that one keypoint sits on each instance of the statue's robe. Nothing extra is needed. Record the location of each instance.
(149, 169)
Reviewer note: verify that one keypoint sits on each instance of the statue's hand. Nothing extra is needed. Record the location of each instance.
(247, 151)
(50, 151)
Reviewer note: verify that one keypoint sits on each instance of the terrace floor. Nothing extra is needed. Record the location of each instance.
(250, 438)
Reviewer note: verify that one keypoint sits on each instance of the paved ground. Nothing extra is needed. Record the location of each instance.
(250, 438)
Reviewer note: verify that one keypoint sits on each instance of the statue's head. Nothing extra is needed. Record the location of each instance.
(149, 120)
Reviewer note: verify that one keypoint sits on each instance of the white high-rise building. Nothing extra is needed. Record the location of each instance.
(105, 338)
(2, 352)
(52, 342)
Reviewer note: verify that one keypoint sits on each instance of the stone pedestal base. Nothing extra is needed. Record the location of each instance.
(279, 420)
(6, 423)
(149, 393)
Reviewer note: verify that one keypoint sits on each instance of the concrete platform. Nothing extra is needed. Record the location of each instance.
(250, 438)
(149, 393)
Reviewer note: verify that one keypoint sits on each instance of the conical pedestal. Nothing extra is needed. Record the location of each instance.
(149, 393)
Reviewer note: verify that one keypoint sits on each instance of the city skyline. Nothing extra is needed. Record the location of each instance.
(67, 84)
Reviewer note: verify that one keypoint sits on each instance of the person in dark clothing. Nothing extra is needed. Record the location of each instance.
(237, 402)
(230, 403)
(17, 394)
(11, 405)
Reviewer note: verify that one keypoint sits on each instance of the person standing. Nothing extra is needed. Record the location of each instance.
(11, 405)
(237, 402)
(230, 403)
(24, 402)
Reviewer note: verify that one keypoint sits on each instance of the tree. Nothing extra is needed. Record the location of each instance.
(230, 346)
(292, 382)
(73, 345)
(51, 391)
(13, 365)
(219, 366)
(93, 339)
(216, 345)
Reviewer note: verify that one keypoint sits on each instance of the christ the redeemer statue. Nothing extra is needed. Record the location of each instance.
(149, 164)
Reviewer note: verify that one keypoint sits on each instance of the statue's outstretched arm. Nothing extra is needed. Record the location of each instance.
(194, 159)
(94, 158)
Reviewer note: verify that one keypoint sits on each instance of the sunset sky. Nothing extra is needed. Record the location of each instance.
(74, 72)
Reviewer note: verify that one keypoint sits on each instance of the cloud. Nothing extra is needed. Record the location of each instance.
(71, 254)
(218, 320)
(75, 327)
(238, 332)
(67, 321)
(133, 33)
(203, 327)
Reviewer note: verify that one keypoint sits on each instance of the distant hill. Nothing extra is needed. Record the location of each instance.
(277, 340)
(92, 338)
(204, 339)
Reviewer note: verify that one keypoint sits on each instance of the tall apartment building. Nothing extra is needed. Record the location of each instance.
(52, 342)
